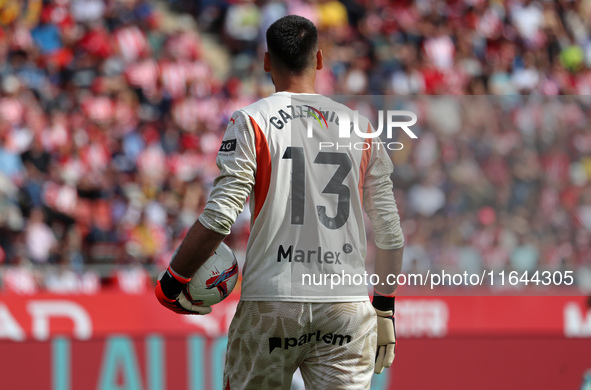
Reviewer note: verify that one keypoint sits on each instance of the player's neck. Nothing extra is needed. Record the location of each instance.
(295, 84)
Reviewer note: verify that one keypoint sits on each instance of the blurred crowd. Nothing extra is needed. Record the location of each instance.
(112, 112)
(497, 183)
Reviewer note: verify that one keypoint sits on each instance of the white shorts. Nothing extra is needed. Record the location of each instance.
(333, 344)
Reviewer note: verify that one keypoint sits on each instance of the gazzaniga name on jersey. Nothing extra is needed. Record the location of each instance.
(301, 111)
(328, 338)
(306, 256)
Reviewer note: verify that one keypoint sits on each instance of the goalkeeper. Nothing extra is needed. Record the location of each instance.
(307, 201)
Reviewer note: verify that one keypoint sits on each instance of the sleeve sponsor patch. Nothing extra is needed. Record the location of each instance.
(228, 145)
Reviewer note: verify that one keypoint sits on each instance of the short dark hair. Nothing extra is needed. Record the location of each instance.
(292, 41)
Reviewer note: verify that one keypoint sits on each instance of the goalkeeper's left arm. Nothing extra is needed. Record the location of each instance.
(380, 206)
(388, 261)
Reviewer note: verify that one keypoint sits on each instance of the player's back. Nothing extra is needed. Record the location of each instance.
(306, 203)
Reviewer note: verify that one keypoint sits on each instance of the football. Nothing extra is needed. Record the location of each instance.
(215, 279)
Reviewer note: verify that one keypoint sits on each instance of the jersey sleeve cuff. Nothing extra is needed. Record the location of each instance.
(211, 223)
(389, 246)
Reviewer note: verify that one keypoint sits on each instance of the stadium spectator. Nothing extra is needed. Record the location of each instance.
(40, 239)
(22, 278)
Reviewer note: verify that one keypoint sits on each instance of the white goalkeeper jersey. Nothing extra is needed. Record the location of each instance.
(308, 185)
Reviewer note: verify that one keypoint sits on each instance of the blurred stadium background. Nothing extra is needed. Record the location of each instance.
(111, 115)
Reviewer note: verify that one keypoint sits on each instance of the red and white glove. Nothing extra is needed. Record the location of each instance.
(170, 293)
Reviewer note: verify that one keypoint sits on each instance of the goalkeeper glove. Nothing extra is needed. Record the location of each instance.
(170, 293)
(386, 345)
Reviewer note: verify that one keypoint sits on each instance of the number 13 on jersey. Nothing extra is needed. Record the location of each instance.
(334, 186)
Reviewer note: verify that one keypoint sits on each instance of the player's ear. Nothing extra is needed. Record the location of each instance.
(267, 62)
(319, 62)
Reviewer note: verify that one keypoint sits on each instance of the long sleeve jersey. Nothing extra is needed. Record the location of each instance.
(308, 186)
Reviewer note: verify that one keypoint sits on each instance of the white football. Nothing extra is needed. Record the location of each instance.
(215, 279)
